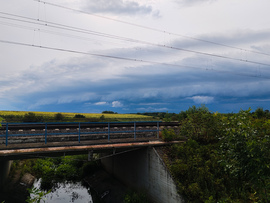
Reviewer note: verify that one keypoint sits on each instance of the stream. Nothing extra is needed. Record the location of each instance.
(67, 192)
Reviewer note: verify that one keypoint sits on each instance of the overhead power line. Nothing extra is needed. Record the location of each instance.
(154, 29)
(101, 34)
(127, 59)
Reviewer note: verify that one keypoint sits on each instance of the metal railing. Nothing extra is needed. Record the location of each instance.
(79, 132)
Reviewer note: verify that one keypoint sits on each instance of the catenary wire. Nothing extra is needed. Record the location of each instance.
(128, 59)
(153, 29)
(57, 33)
(86, 31)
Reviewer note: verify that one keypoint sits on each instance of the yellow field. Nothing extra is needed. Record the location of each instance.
(71, 115)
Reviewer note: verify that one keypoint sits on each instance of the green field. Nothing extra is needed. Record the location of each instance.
(50, 116)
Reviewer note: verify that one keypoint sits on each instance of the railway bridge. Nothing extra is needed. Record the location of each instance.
(128, 149)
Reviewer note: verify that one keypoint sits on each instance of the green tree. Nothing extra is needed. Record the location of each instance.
(182, 115)
(246, 156)
(201, 125)
(79, 116)
(59, 117)
(32, 117)
(102, 118)
(225, 159)
(167, 117)
(194, 164)
(109, 112)
(259, 113)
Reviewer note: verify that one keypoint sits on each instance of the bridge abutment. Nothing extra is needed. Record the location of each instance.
(4, 171)
(144, 170)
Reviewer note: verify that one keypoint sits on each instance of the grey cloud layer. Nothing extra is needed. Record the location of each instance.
(193, 2)
(117, 7)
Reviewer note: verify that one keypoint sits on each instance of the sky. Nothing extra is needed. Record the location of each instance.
(130, 56)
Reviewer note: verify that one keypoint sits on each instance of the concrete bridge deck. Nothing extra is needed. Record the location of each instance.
(83, 148)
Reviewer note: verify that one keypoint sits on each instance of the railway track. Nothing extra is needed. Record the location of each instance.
(16, 135)
(83, 125)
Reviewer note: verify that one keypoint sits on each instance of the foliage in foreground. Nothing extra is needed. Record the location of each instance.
(53, 170)
(36, 195)
(135, 197)
(226, 157)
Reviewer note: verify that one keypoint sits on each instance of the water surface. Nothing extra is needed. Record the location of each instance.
(67, 192)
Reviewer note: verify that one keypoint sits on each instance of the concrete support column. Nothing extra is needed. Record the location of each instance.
(4, 171)
(143, 169)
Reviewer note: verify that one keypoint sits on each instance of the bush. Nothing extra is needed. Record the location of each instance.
(79, 116)
(135, 197)
(226, 157)
(59, 116)
(168, 135)
(67, 172)
(71, 168)
(31, 117)
(102, 118)
(109, 112)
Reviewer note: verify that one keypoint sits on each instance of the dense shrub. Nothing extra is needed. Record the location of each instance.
(168, 135)
(79, 116)
(31, 117)
(226, 157)
(68, 168)
(109, 112)
(135, 197)
(102, 118)
(58, 116)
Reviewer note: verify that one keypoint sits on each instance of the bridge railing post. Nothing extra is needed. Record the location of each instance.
(6, 134)
(158, 130)
(108, 131)
(45, 133)
(134, 130)
(79, 132)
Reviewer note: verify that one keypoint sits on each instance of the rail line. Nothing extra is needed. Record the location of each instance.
(73, 125)
(25, 135)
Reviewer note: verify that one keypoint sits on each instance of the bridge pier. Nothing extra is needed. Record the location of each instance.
(4, 171)
(144, 170)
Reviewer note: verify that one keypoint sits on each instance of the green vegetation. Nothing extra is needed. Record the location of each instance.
(31, 117)
(37, 195)
(165, 116)
(225, 159)
(135, 197)
(59, 117)
(53, 170)
(79, 116)
(23, 116)
(169, 135)
(109, 112)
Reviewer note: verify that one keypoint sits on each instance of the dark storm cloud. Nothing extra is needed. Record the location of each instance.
(161, 86)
